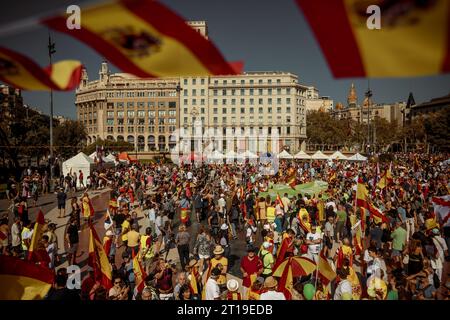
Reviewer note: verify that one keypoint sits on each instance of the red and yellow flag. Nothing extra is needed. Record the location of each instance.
(414, 39)
(23, 280)
(279, 201)
(37, 252)
(23, 73)
(98, 260)
(361, 195)
(325, 272)
(377, 215)
(146, 39)
(193, 285)
(139, 274)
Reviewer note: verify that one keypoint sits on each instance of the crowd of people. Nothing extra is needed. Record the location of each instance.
(183, 224)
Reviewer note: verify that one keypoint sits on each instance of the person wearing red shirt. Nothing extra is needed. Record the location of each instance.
(251, 267)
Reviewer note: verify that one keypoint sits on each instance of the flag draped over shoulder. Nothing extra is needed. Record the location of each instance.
(23, 280)
(23, 73)
(37, 252)
(139, 274)
(98, 260)
(146, 39)
(422, 27)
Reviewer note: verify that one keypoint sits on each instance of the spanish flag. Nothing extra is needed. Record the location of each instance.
(304, 220)
(377, 215)
(386, 179)
(413, 39)
(37, 252)
(146, 39)
(361, 195)
(357, 238)
(98, 260)
(325, 271)
(279, 201)
(139, 274)
(23, 280)
(23, 73)
(193, 285)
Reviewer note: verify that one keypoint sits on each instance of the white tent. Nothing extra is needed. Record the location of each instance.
(215, 156)
(285, 155)
(107, 162)
(319, 155)
(357, 157)
(79, 162)
(302, 155)
(248, 155)
(112, 158)
(338, 156)
(231, 156)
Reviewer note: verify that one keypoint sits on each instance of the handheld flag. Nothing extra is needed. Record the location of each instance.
(98, 260)
(146, 39)
(279, 201)
(37, 252)
(139, 274)
(421, 27)
(108, 221)
(23, 280)
(441, 207)
(23, 73)
(361, 194)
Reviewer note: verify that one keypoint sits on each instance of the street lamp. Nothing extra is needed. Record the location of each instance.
(51, 51)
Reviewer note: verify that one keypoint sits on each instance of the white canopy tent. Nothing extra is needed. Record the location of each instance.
(112, 158)
(285, 155)
(357, 157)
(231, 156)
(107, 162)
(79, 162)
(319, 155)
(302, 155)
(215, 156)
(338, 156)
(248, 155)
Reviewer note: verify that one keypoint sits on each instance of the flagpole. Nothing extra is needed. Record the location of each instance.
(51, 50)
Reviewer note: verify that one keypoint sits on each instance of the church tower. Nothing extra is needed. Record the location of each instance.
(352, 98)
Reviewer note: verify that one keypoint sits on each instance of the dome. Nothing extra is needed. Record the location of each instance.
(352, 98)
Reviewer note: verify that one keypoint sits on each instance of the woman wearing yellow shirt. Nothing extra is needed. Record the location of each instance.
(126, 227)
(219, 259)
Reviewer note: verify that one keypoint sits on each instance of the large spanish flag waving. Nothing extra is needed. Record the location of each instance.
(414, 39)
(23, 73)
(23, 280)
(362, 195)
(98, 260)
(139, 274)
(146, 39)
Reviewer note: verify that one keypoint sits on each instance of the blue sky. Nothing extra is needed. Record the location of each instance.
(267, 35)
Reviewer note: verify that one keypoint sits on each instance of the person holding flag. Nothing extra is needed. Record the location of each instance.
(87, 208)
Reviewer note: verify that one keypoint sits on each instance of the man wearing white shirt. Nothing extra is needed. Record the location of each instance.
(314, 241)
(212, 290)
(344, 288)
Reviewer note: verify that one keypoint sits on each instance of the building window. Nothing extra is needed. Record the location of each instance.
(216, 82)
(288, 90)
(278, 100)
(110, 122)
(185, 82)
(242, 92)
(215, 102)
(194, 92)
(288, 119)
(215, 120)
(194, 102)
(269, 101)
(242, 110)
(130, 121)
(224, 120)
(288, 130)
(185, 102)
(242, 81)
(269, 92)
(202, 81)
(233, 102)
(120, 122)
(172, 104)
(260, 110)
(172, 113)
(224, 102)
(278, 109)
(260, 101)
(288, 100)
(252, 101)
(224, 111)
(242, 101)
(215, 111)
(260, 91)
(130, 104)
(269, 110)
(194, 82)
(233, 92)
(141, 121)
(141, 114)
(288, 109)
(161, 129)
(269, 81)
(233, 110)
(161, 114)
(202, 102)
(130, 129)
(251, 91)
(130, 114)
(185, 120)
(224, 92)
(278, 81)
(151, 104)
(252, 110)
(233, 81)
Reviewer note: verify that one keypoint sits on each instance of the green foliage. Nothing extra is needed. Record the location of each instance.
(69, 137)
(109, 146)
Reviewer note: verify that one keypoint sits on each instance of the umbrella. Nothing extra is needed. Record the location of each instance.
(301, 266)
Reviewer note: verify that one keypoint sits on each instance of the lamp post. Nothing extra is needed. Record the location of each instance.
(368, 96)
(51, 51)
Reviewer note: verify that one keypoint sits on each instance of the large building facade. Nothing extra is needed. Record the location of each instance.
(368, 110)
(153, 114)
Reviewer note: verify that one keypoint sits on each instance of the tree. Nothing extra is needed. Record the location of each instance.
(436, 129)
(69, 137)
(109, 145)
